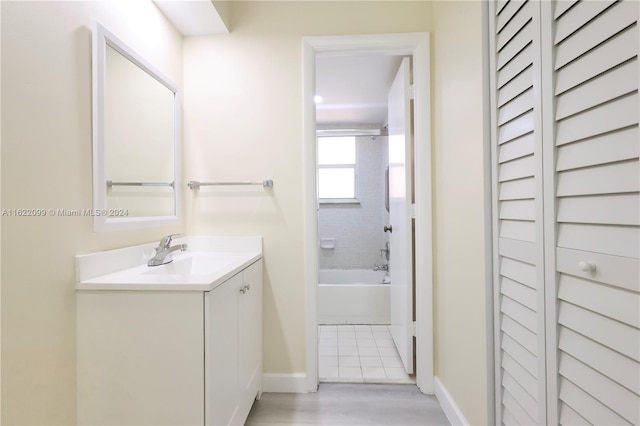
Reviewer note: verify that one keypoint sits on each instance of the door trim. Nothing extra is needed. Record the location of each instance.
(488, 216)
(418, 46)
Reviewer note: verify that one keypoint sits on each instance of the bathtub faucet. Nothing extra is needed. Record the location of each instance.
(386, 251)
(381, 267)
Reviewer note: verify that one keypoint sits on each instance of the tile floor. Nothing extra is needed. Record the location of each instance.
(359, 354)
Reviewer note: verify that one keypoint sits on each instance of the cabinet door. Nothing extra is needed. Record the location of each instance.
(139, 358)
(222, 351)
(250, 338)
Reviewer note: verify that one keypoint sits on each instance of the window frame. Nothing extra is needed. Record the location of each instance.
(353, 166)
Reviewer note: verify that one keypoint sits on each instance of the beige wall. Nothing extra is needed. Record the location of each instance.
(459, 222)
(243, 121)
(46, 163)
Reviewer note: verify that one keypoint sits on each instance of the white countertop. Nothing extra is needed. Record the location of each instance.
(208, 262)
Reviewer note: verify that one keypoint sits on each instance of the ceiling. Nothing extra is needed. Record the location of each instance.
(194, 17)
(354, 88)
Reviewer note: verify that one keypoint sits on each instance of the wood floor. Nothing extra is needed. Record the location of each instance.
(349, 404)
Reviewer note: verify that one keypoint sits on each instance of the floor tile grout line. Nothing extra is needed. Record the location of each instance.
(379, 356)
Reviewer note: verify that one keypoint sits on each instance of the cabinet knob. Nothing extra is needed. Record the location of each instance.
(585, 266)
(243, 290)
(248, 286)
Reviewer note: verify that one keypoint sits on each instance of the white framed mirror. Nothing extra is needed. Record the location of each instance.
(136, 139)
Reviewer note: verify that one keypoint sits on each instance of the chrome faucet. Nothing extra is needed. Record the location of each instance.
(164, 251)
(381, 267)
(386, 251)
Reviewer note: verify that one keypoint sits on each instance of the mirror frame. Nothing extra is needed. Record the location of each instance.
(101, 39)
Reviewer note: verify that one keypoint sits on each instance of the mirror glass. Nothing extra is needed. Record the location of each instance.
(136, 139)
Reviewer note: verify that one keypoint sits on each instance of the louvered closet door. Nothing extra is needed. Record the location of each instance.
(517, 201)
(595, 79)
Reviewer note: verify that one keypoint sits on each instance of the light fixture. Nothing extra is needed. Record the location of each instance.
(317, 99)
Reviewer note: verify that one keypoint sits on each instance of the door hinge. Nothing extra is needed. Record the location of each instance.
(412, 91)
(412, 329)
(413, 211)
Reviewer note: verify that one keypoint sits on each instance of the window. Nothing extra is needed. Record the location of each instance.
(337, 168)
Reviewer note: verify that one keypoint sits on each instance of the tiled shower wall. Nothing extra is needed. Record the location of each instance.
(358, 228)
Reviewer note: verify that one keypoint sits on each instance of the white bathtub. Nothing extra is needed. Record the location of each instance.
(352, 296)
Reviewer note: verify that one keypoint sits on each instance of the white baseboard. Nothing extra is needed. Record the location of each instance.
(448, 405)
(285, 383)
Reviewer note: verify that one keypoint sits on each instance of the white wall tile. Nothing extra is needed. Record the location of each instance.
(357, 228)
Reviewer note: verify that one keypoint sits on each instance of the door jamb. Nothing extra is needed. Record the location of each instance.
(488, 217)
(418, 46)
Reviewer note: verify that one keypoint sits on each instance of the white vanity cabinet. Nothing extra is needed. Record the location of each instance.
(233, 347)
(158, 357)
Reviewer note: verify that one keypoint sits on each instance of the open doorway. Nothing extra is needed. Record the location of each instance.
(365, 180)
(349, 121)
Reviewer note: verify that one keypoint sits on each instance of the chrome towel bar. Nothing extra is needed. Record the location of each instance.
(194, 184)
(111, 183)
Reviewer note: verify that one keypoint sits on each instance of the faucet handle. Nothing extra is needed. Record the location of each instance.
(166, 241)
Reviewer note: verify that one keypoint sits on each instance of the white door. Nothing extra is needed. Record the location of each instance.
(593, 134)
(517, 202)
(566, 211)
(400, 268)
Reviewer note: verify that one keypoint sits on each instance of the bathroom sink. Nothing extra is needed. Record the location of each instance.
(212, 261)
(193, 264)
